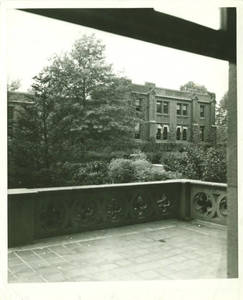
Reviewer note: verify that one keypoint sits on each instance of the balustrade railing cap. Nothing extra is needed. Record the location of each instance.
(87, 187)
(200, 182)
(22, 191)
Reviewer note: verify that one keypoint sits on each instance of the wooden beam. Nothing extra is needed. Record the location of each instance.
(151, 26)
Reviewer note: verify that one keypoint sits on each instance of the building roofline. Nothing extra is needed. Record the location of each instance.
(172, 90)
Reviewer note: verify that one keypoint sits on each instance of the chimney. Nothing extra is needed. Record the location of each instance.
(150, 85)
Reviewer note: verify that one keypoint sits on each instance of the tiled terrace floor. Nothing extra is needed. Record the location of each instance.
(168, 249)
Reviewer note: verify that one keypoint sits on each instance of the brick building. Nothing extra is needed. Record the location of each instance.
(17, 101)
(168, 115)
(174, 116)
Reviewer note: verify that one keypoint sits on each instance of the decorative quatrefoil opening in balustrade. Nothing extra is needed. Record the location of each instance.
(52, 216)
(204, 205)
(163, 204)
(222, 206)
(84, 213)
(141, 207)
(114, 210)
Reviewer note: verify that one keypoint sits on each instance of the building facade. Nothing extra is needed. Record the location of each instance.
(174, 116)
(17, 101)
(168, 116)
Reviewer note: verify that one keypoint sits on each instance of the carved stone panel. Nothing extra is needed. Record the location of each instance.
(209, 204)
(52, 217)
(222, 206)
(163, 204)
(204, 205)
(116, 210)
(141, 206)
(85, 213)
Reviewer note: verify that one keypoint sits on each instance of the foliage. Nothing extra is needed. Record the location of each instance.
(26, 151)
(214, 167)
(138, 154)
(221, 120)
(155, 157)
(200, 163)
(137, 170)
(121, 170)
(79, 107)
(95, 172)
(88, 105)
(191, 86)
(13, 85)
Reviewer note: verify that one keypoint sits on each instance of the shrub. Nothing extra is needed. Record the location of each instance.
(142, 170)
(95, 172)
(121, 170)
(201, 163)
(133, 170)
(138, 155)
(155, 157)
(214, 167)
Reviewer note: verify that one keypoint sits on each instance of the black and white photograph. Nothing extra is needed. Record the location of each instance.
(121, 129)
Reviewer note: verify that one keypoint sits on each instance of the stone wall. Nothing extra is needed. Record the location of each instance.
(48, 212)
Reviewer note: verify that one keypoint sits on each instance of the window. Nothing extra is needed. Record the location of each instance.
(185, 109)
(184, 134)
(159, 132)
(137, 131)
(165, 108)
(202, 133)
(202, 111)
(165, 132)
(182, 109)
(178, 133)
(162, 132)
(138, 104)
(159, 107)
(162, 107)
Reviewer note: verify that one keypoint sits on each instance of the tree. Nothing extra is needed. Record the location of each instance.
(221, 120)
(80, 106)
(199, 162)
(25, 161)
(76, 74)
(191, 86)
(221, 111)
(13, 85)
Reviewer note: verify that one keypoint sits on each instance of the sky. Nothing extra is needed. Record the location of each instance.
(33, 39)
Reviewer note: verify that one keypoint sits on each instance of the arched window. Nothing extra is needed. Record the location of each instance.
(137, 131)
(158, 134)
(178, 133)
(184, 134)
(202, 133)
(165, 133)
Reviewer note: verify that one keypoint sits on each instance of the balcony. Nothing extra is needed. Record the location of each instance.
(171, 229)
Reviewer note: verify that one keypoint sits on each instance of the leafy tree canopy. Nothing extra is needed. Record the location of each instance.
(221, 110)
(80, 97)
(13, 85)
(192, 86)
(80, 106)
(221, 119)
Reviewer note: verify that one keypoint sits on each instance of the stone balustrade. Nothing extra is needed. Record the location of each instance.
(44, 212)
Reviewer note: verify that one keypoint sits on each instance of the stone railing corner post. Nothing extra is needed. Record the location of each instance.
(21, 219)
(184, 209)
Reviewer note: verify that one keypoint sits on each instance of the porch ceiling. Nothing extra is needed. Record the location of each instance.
(148, 25)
